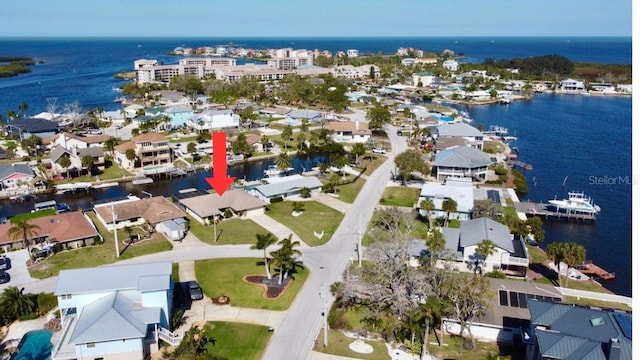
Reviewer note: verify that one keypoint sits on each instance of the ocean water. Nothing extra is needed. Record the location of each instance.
(586, 140)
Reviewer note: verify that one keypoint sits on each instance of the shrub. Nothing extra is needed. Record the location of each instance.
(46, 302)
(496, 275)
(276, 199)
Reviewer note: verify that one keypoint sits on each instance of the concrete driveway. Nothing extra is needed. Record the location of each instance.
(18, 271)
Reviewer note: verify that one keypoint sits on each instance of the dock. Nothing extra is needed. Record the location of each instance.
(547, 211)
(520, 164)
(593, 270)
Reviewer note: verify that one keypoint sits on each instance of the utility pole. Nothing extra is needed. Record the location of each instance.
(359, 241)
(323, 296)
(115, 231)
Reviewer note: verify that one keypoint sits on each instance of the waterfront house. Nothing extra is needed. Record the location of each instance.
(285, 187)
(572, 85)
(349, 131)
(75, 156)
(462, 161)
(70, 229)
(24, 128)
(70, 141)
(15, 176)
(508, 316)
(510, 256)
(472, 136)
(213, 120)
(151, 150)
(206, 207)
(458, 189)
(565, 331)
(114, 312)
(137, 212)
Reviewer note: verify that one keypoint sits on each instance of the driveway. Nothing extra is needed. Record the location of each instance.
(18, 271)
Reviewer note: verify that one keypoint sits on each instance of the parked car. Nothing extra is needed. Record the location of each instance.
(195, 291)
(4, 277)
(4, 262)
(378, 151)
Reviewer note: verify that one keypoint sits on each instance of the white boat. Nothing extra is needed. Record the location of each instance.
(273, 171)
(577, 202)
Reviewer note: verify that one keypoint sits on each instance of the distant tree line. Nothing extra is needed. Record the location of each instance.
(536, 66)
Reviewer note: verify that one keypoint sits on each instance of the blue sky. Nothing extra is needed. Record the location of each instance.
(209, 18)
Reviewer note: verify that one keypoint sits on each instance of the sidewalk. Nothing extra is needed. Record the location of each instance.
(331, 202)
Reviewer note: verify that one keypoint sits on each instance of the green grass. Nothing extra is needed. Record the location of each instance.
(493, 147)
(175, 272)
(349, 192)
(452, 349)
(454, 223)
(316, 217)
(224, 277)
(598, 303)
(186, 139)
(110, 173)
(237, 340)
(509, 211)
(400, 196)
(230, 232)
(33, 215)
(338, 344)
(99, 254)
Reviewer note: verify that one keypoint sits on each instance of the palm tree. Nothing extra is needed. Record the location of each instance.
(304, 126)
(485, 249)
(23, 108)
(283, 161)
(285, 257)
(449, 205)
(427, 205)
(131, 155)
(298, 206)
(87, 162)
(574, 256)
(110, 144)
(263, 241)
(435, 243)
(65, 162)
(286, 135)
(358, 150)
(15, 301)
(557, 252)
(24, 230)
(305, 192)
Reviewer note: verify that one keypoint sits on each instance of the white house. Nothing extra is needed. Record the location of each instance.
(458, 189)
(352, 53)
(510, 253)
(462, 161)
(423, 79)
(572, 85)
(450, 65)
(206, 208)
(472, 135)
(349, 131)
(114, 312)
(214, 120)
(286, 187)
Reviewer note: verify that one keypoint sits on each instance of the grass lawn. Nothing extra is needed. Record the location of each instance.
(372, 162)
(33, 215)
(100, 254)
(316, 217)
(419, 231)
(224, 277)
(110, 173)
(493, 147)
(400, 196)
(186, 139)
(237, 340)
(230, 231)
(349, 192)
(338, 344)
(451, 349)
(597, 303)
(454, 223)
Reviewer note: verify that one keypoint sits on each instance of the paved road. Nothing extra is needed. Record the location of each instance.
(295, 338)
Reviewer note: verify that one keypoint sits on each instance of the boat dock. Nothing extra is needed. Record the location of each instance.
(520, 164)
(593, 270)
(547, 211)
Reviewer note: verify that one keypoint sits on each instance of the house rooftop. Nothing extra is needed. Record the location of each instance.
(214, 204)
(154, 210)
(68, 226)
(7, 170)
(283, 185)
(458, 129)
(149, 137)
(462, 157)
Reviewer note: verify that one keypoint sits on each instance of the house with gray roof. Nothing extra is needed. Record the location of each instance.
(206, 208)
(119, 311)
(13, 176)
(24, 128)
(473, 136)
(462, 161)
(311, 115)
(286, 187)
(510, 255)
(564, 331)
(459, 190)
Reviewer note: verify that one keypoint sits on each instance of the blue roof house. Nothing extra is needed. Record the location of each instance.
(178, 115)
(24, 128)
(116, 311)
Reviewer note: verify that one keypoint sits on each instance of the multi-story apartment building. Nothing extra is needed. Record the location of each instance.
(288, 59)
(261, 72)
(151, 71)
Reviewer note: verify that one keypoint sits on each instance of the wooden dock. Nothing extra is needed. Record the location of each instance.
(547, 211)
(593, 270)
(520, 164)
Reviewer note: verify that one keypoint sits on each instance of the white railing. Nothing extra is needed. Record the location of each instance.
(169, 337)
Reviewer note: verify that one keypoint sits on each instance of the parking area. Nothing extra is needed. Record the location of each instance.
(18, 270)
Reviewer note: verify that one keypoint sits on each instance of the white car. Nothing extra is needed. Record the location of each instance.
(378, 151)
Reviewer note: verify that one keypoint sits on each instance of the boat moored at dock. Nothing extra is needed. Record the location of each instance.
(577, 202)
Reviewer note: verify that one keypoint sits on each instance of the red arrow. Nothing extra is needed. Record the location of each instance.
(219, 182)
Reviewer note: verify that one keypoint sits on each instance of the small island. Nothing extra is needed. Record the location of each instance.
(15, 65)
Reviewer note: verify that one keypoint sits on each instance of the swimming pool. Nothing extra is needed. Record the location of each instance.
(35, 345)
